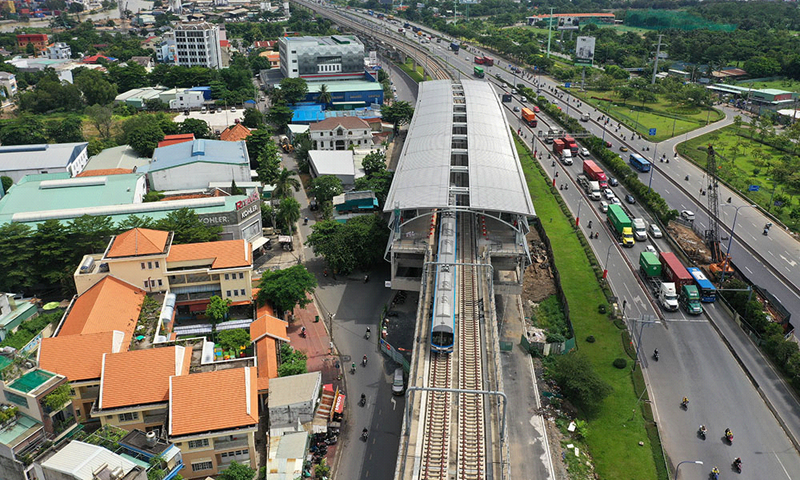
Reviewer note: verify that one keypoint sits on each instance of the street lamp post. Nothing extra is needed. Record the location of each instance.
(730, 240)
(605, 265)
(650, 183)
(555, 172)
(578, 217)
(697, 462)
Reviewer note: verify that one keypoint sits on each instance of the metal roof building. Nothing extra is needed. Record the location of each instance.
(16, 161)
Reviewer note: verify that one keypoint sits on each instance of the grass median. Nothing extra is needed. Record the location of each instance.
(408, 67)
(618, 427)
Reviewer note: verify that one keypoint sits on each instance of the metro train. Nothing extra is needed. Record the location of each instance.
(443, 317)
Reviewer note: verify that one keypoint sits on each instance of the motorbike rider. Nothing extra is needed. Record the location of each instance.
(703, 430)
(353, 367)
(685, 402)
(728, 433)
(655, 354)
(364, 360)
(364, 434)
(737, 462)
(715, 472)
(368, 331)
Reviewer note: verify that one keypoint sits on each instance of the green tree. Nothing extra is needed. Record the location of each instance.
(145, 139)
(198, 127)
(378, 182)
(286, 288)
(293, 90)
(257, 141)
(398, 113)
(89, 234)
(23, 130)
(237, 471)
(7, 183)
(102, 118)
(267, 215)
(187, 227)
(52, 247)
(70, 129)
(280, 115)
(324, 96)
(30, 50)
(96, 89)
(284, 183)
(136, 221)
(579, 382)
(17, 254)
(129, 77)
(374, 162)
(252, 118)
(625, 93)
(269, 164)
(288, 213)
(357, 244)
(217, 309)
(326, 187)
(293, 362)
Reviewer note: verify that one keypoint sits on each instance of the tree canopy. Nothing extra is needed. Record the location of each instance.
(579, 382)
(326, 187)
(357, 244)
(398, 113)
(286, 288)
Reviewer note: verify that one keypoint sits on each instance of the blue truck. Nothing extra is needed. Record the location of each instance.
(454, 47)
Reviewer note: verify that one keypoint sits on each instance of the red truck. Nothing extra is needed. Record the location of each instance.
(488, 61)
(529, 117)
(595, 173)
(673, 270)
(573, 145)
(479, 60)
(558, 146)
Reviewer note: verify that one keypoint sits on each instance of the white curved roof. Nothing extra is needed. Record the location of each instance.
(422, 178)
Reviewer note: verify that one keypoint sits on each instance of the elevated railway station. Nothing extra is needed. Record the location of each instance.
(458, 210)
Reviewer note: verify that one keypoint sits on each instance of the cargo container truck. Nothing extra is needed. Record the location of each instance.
(690, 300)
(595, 173)
(591, 188)
(571, 143)
(651, 271)
(558, 146)
(454, 47)
(621, 225)
(529, 117)
(674, 270)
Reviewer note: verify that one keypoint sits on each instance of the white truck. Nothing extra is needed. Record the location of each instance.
(664, 292)
(639, 229)
(566, 157)
(591, 188)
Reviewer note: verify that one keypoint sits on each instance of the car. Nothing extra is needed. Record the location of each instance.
(615, 201)
(608, 144)
(687, 215)
(523, 99)
(203, 110)
(585, 117)
(613, 181)
(584, 152)
(655, 232)
(535, 109)
(651, 249)
(608, 193)
(186, 112)
(629, 198)
(233, 109)
(623, 148)
(516, 109)
(604, 207)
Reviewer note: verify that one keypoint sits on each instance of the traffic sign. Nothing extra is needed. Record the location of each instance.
(753, 188)
(567, 84)
(652, 131)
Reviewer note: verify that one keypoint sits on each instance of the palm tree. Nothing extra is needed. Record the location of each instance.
(324, 96)
(284, 184)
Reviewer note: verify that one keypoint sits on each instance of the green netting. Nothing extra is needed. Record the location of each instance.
(671, 19)
(31, 380)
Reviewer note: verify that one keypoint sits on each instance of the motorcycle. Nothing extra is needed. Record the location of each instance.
(303, 332)
(363, 400)
(685, 404)
(364, 361)
(714, 473)
(702, 432)
(655, 355)
(366, 335)
(729, 437)
(364, 435)
(737, 464)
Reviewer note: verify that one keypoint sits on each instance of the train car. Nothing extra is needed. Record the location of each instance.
(444, 303)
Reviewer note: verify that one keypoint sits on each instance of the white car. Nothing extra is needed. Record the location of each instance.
(584, 152)
(608, 193)
(687, 215)
(655, 232)
(604, 207)
(651, 249)
(615, 201)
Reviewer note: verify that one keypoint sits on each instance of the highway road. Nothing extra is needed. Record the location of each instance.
(694, 359)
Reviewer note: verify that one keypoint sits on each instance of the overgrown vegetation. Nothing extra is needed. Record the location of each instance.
(293, 362)
(29, 329)
(550, 316)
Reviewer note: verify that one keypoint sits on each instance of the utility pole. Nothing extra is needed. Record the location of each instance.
(549, 32)
(655, 65)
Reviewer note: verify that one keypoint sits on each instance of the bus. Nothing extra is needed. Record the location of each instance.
(639, 163)
(708, 293)
(479, 72)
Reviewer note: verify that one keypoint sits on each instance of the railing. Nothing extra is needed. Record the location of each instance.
(191, 278)
(220, 445)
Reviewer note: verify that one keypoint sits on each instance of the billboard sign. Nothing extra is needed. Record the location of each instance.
(569, 23)
(584, 48)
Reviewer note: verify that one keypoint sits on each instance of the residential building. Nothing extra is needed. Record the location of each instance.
(267, 333)
(84, 461)
(348, 94)
(193, 272)
(167, 50)
(193, 165)
(187, 100)
(213, 419)
(235, 133)
(338, 57)
(340, 133)
(146, 62)
(39, 41)
(338, 163)
(287, 455)
(197, 44)
(135, 387)
(16, 161)
(138, 97)
(293, 400)
(13, 312)
(59, 51)
(355, 202)
(8, 81)
(29, 394)
(273, 57)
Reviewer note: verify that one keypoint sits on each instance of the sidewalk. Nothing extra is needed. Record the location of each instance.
(316, 345)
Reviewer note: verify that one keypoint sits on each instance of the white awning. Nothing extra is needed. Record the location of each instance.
(259, 242)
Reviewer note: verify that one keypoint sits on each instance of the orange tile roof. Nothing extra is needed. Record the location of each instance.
(174, 139)
(334, 122)
(104, 171)
(265, 309)
(235, 133)
(212, 401)
(225, 253)
(269, 326)
(110, 304)
(58, 354)
(267, 360)
(139, 377)
(138, 241)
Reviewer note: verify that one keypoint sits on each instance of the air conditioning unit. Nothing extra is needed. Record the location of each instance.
(151, 439)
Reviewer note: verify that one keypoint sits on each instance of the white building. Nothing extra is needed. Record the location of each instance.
(198, 45)
(339, 57)
(193, 165)
(339, 133)
(167, 50)
(59, 51)
(16, 161)
(187, 100)
(8, 82)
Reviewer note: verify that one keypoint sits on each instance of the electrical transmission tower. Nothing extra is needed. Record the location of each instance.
(712, 191)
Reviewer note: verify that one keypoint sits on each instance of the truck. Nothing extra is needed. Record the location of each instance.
(571, 143)
(406, 25)
(621, 225)
(591, 188)
(651, 271)
(595, 173)
(558, 147)
(529, 117)
(506, 97)
(690, 300)
(381, 16)
(454, 47)
(478, 60)
(674, 270)
(639, 229)
(478, 72)
(488, 61)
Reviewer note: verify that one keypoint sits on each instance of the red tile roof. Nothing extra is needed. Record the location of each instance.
(104, 171)
(140, 377)
(213, 401)
(138, 241)
(267, 361)
(333, 122)
(177, 138)
(268, 326)
(110, 304)
(224, 43)
(235, 133)
(223, 254)
(59, 354)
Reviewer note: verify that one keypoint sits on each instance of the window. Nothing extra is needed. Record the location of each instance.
(157, 264)
(241, 275)
(226, 276)
(128, 417)
(160, 283)
(78, 412)
(149, 265)
(142, 265)
(236, 293)
(242, 292)
(227, 293)
(196, 467)
(146, 283)
(198, 443)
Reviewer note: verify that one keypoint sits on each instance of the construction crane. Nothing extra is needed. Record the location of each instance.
(712, 192)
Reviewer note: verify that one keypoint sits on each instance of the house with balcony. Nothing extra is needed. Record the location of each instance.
(134, 387)
(213, 419)
(193, 272)
(339, 133)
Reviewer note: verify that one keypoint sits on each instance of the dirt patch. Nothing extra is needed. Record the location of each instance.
(538, 282)
(690, 241)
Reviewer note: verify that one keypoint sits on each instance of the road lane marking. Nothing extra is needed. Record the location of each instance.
(790, 262)
(394, 402)
(751, 272)
(781, 463)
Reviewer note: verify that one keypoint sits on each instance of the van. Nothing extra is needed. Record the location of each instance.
(398, 383)
(687, 215)
(604, 206)
(585, 117)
